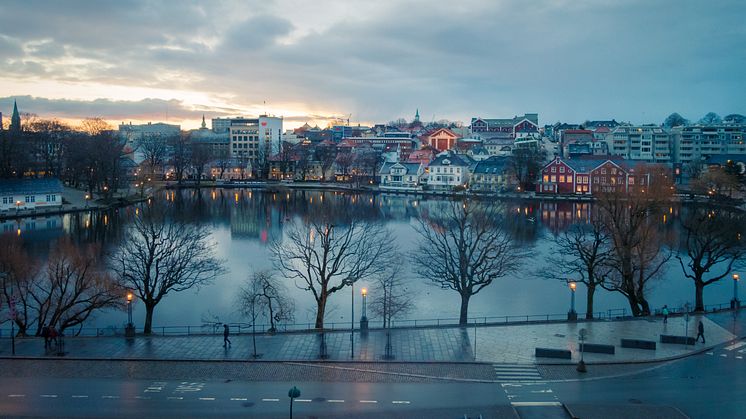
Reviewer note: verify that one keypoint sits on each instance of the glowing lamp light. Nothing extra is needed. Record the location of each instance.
(130, 296)
(364, 291)
(573, 285)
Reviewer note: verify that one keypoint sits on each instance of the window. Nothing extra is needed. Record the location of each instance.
(603, 171)
(562, 178)
(562, 169)
(595, 179)
(554, 169)
(631, 181)
(613, 171)
(554, 178)
(30, 199)
(546, 178)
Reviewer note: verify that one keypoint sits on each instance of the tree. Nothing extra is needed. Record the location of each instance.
(675, 120)
(581, 254)
(711, 118)
(715, 181)
(326, 154)
(526, 162)
(17, 272)
(734, 118)
(711, 246)
(263, 295)
(180, 157)
(325, 255)
(222, 160)
(95, 126)
(154, 149)
(47, 137)
(200, 157)
(344, 162)
(465, 248)
(391, 298)
(637, 256)
(160, 255)
(75, 286)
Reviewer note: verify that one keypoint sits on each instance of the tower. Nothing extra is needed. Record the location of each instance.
(15, 119)
(417, 115)
(204, 124)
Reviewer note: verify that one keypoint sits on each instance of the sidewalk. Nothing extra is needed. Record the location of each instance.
(513, 344)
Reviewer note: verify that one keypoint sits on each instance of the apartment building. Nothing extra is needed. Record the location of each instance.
(698, 142)
(649, 143)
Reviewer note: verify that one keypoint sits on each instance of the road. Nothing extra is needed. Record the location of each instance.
(142, 398)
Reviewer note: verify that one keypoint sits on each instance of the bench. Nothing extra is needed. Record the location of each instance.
(597, 348)
(638, 344)
(553, 353)
(680, 340)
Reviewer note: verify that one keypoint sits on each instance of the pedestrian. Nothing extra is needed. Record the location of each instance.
(52, 336)
(700, 332)
(226, 332)
(665, 314)
(45, 335)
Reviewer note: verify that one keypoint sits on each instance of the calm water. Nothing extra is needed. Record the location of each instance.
(243, 222)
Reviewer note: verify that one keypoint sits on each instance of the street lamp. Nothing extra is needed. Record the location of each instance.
(364, 317)
(734, 303)
(18, 206)
(572, 315)
(129, 331)
(352, 318)
(87, 198)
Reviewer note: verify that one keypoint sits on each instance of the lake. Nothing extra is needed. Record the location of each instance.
(244, 221)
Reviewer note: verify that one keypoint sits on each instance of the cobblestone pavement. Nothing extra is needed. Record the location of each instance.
(509, 344)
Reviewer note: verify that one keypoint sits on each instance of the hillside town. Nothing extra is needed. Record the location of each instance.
(515, 155)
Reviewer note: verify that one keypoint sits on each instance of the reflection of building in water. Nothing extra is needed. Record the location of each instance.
(34, 228)
(398, 207)
(255, 217)
(558, 216)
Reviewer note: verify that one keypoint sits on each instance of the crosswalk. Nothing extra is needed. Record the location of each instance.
(516, 373)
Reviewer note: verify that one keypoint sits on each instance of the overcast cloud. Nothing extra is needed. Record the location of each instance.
(567, 60)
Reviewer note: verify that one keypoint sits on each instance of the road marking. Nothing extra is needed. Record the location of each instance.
(270, 400)
(734, 346)
(335, 401)
(709, 353)
(109, 397)
(174, 398)
(542, 391)
(368, 401)
(51, 396)
(400, 402)
(303, 400)
(519, 404)
(724, 355)
(142, 397)
(242, 399)
(207, 398)
(739, 357)
(16, 395)
(79, 396)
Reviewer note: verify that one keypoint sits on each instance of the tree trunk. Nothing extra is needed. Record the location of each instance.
(464, 316)
(589, 302)
(699, 302)
(148, 327)
(320, 309)
(633, 305)
(644, 305)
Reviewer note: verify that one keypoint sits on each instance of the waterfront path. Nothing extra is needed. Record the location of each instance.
(511, 344)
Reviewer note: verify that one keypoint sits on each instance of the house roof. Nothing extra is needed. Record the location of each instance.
(492, 165)
(452, 159)
(410, 167)
(30, 186)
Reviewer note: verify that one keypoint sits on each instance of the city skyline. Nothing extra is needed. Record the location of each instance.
(568, 61)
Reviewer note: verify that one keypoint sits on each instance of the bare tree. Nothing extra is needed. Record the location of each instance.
(154, 149)
(392, 298)
(638, 255)
(160, 255)
(201, 155)
(465, 248)
(263, 295)
(711, 245)
(74, 287)
(180, 157)
(344, 162)
(222, 160)
(326, 154)
(95, 126)
(324, 257)
(581, 254)
(17, 273)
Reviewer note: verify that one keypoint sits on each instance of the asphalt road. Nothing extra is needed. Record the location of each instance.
(48, 397)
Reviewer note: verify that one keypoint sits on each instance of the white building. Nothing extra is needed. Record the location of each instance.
(23, 194)
(254, 140)
(448, 171)
(648, 143)
(133, 133)
(401, 176)
(698, 142)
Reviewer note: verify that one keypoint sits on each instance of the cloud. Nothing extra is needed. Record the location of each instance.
(570, 60)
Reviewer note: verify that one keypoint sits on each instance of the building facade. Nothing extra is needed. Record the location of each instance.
(696, 143)
(448, 171)
(22, 194)
(647, 143)
(401, 176)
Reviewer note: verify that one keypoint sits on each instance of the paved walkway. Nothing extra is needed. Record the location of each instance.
(512, 344)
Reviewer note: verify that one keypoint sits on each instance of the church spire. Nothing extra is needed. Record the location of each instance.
(15, 119)
(204, 125)
(417, 115)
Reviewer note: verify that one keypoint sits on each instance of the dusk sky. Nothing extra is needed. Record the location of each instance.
(568, 60)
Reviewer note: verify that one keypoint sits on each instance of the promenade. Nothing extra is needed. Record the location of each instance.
(503, 344)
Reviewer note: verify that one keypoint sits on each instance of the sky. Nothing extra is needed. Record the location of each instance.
(313, 61)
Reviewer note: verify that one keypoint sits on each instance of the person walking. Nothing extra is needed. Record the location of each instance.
(665, 314)
(700, 332)
(226, 332)
(45, 335)
(52, 336)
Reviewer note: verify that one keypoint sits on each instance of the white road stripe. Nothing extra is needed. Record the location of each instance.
(724, 355)
(174, 398)
(16, 395)
(270, 400)
(239, 398)
(734, 346)
(142, 398)
(303, 400)
(335, 401)
(518, 404)
(400, 402)
(79, 396)
(52, 396)
(109, 397)
(739, 357)
(709, 353)
(207, 398)
(368, 401)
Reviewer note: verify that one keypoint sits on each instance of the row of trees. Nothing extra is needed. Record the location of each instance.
(675, 120)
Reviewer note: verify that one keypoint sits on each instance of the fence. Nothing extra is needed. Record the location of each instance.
(216, 328)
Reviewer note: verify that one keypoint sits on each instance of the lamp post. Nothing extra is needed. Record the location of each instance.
(18, 206)
(572, 315)
(364, 317)
(129, 331)
(352, 319)
(734, 303)
(87, 198)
